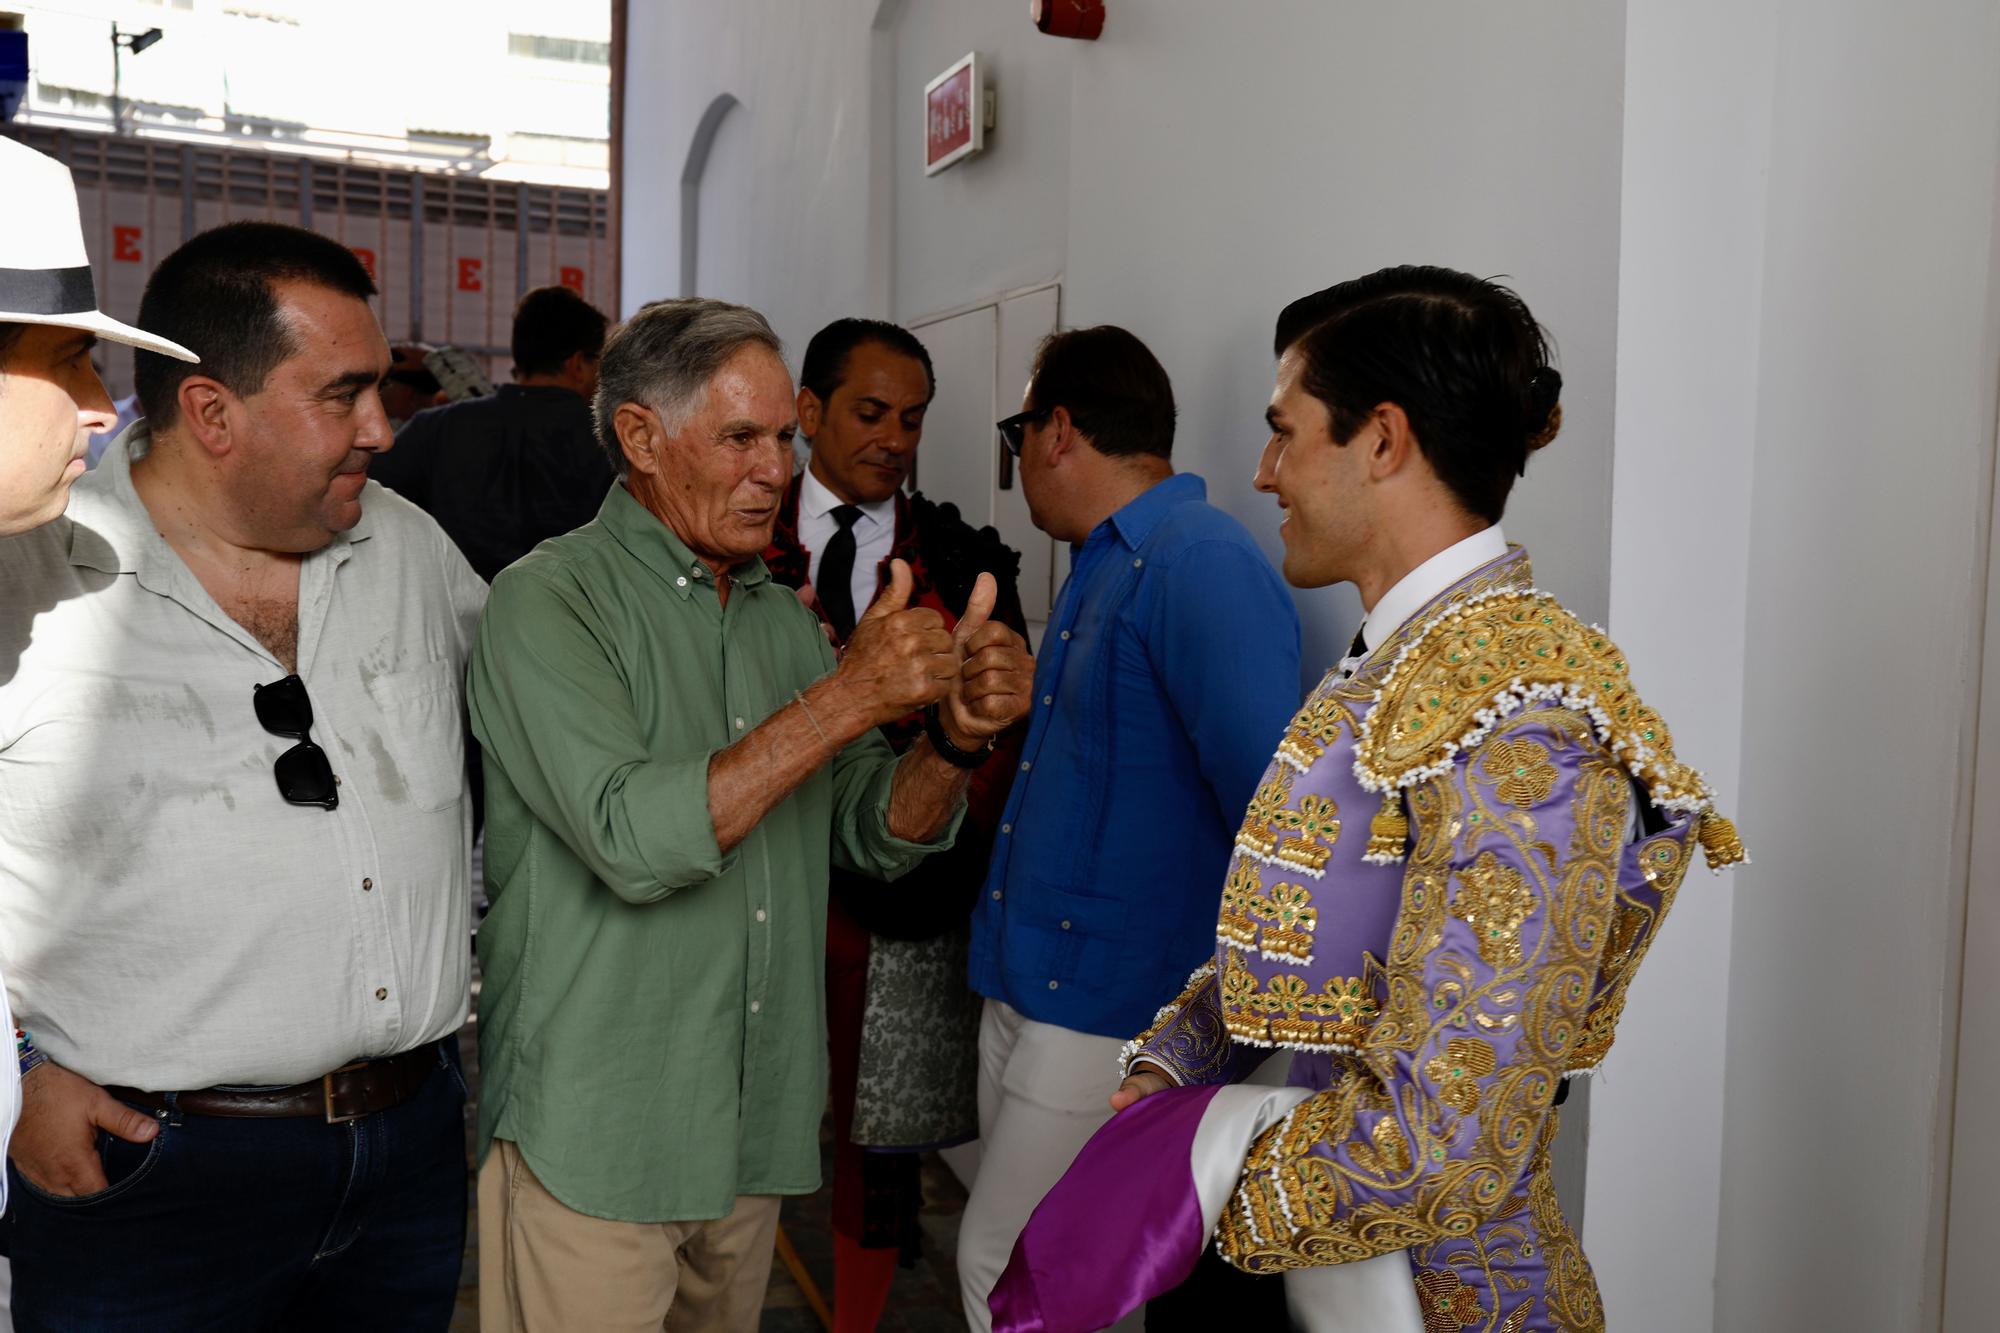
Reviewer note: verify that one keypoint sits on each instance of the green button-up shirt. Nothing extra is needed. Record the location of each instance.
(652, 1027)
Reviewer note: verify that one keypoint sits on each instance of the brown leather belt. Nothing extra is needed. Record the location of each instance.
(348, 1093)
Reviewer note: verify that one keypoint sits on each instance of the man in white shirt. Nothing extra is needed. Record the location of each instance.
(262, 656)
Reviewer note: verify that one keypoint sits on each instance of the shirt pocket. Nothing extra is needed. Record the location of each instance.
(423, 730)
(1079, 937)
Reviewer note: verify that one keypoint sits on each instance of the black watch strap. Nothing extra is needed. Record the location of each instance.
(950, 753)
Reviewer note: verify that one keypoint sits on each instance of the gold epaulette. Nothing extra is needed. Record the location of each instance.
(1483, 660)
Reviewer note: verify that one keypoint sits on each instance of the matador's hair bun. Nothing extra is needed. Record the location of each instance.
(1545, 414)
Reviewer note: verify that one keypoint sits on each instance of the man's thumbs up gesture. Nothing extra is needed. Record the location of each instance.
(901, 658)
(996, 678)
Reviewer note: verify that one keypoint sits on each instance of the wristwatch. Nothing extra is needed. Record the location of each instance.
(950, 753)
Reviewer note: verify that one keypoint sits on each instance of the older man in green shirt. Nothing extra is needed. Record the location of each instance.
(674, 757)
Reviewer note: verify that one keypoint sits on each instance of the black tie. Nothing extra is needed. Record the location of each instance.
(836, 572)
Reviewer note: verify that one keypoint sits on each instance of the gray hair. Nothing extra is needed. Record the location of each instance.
(663, 358)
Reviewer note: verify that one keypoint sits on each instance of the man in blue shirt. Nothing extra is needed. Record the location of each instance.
(1169, 669)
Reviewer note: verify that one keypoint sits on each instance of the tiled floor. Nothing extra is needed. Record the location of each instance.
(923, 1300)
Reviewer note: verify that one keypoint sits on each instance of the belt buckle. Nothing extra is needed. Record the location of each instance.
(326, 1094)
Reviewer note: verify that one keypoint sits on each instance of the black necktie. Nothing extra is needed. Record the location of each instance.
(836, 572)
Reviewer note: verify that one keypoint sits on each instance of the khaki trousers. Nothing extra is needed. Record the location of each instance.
(546, 1268)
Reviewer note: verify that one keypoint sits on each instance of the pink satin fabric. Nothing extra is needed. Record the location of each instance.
(1121, 1227)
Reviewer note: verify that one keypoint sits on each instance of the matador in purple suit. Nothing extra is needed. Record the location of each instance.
(1466, 840)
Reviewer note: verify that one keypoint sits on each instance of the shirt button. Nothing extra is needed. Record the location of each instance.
(1048, 699)
(1052, 985)
(1006, 828)
(1065, 925)
(367, 884)
(680, 583)
(739, 724)
(996, 895)
(1025, 765)
(1065, 635)
(381, 992)
(1138, 564)
(760, 914)
(756, 1006)
(336, 779)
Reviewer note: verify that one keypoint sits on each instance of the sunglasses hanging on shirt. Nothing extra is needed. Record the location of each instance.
(305, 776)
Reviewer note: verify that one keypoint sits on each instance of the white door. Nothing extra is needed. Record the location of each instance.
(982, 357)
(955, 461)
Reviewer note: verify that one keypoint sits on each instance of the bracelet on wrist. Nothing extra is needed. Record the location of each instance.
(799, 697)
(25, 1051)
(947, 749)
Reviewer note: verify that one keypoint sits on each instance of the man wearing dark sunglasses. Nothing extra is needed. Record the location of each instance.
(261, 957)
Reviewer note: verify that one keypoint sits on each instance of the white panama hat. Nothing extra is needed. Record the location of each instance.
(44, 272)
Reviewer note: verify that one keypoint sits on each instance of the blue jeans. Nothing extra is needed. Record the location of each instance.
(239, 1224)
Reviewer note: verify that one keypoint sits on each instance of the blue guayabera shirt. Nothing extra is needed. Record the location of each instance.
(1168, 673)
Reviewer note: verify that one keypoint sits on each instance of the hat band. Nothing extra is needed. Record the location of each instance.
(47, 291)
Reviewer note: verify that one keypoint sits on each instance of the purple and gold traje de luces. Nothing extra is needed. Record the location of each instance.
(1440, 893)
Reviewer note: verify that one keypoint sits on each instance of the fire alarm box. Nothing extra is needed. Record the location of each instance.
(1082, 19)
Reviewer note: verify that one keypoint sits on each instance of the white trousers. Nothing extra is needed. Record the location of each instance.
(1043, 1091)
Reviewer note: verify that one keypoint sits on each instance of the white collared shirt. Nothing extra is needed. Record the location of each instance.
(167, 920)
(874, 536)
(1415, 589)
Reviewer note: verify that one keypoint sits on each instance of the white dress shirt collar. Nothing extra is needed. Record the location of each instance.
(816, 501)
(1416, 588)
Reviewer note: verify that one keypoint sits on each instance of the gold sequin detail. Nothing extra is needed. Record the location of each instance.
(1520, 771)
(1447, 1303)
(1495, 900)
(1457, 1072)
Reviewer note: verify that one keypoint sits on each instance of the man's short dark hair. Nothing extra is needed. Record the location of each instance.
(1116, 390)
(1462, 356)
(553, 324)
(9, 335)
(214, 296)
(825, 366)
(1304, 314)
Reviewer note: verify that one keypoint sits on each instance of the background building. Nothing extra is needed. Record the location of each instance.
(459, 148)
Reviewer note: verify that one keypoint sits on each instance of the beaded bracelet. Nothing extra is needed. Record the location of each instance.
(26, 1052)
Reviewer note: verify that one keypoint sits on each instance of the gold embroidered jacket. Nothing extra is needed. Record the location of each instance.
(1443, 975)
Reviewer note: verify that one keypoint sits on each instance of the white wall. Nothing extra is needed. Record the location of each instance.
(1877, 381)
(1187, 176)
(1689, 302)
(786, 198)
(1230, 158)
